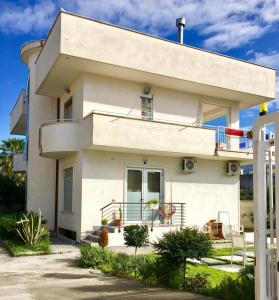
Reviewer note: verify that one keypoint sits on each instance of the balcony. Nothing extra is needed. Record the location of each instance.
(134, 135)
(19, 163)
(111, 132)
(233, 144)
(18, 117)
(58, 139)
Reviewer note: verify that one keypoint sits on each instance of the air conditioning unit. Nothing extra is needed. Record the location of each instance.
(189, 165)
(232, 168)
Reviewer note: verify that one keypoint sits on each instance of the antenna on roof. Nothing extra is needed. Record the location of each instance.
(180, 24)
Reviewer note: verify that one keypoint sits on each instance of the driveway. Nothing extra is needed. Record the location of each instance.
(56, 277)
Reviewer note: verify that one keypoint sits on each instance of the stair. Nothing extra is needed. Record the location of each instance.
(115, 234)
(93, 238)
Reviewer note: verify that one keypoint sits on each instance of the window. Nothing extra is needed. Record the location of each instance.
(147, 108)
(68, 109)
(68, 189)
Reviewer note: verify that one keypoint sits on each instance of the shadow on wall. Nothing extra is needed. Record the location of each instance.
(111, 166)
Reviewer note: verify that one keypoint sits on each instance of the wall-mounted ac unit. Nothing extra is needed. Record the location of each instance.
(232, 168)
(189, 165)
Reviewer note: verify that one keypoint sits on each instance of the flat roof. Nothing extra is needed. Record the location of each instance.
(151, 36)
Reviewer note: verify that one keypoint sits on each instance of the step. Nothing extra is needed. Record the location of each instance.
(93, 238)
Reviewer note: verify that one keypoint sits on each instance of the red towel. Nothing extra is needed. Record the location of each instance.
(235, 132)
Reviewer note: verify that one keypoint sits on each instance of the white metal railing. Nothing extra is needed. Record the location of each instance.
(230, 142)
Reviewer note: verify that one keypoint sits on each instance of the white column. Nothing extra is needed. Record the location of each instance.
(259, 182)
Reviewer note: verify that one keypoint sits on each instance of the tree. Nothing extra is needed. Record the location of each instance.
(136, 236)
(175, 247)
(8, 147)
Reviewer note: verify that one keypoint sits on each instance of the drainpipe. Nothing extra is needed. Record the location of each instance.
(56, 179)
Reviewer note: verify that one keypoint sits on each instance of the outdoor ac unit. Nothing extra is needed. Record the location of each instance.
(189, 165)
(232, 168)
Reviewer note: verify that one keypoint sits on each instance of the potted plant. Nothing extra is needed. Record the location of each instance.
(104, 222)
(118, 221)
(250, 134)
(153, 203)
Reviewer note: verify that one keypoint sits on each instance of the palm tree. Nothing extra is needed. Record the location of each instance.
(8, 147)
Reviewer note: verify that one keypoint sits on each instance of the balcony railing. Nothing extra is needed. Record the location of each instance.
(127, 213)
(228, 139)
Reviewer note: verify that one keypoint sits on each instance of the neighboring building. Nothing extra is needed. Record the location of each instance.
(113, 113)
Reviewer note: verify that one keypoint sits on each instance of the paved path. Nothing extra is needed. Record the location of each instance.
(57, 277)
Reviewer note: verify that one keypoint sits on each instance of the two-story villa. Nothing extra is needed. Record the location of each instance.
(114, 118)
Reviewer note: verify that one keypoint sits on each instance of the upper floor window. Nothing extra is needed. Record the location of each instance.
(147, 108)
(68, 109)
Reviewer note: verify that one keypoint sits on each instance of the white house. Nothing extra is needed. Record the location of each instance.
(112, 118)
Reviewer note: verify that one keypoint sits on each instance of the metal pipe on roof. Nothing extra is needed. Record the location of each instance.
(180, 24)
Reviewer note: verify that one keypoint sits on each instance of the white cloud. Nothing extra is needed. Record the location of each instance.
(18, 19)
(270, 59)
(224, 24)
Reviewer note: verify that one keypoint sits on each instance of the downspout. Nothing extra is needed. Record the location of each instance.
(56, 178)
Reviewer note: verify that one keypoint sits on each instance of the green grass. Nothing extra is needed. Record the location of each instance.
(17, 248)
(215, 276)
(226, 251)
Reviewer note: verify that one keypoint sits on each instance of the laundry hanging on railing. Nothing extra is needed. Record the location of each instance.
(234, 132)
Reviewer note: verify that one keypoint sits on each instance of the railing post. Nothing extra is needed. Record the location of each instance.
(120, 217)
(123, 213)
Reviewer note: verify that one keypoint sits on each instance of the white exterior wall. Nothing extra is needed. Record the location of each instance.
(113, 95)
(40, 171)
(70, 220)
(205, 192)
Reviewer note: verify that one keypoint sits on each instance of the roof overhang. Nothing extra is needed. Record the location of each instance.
(78, 45)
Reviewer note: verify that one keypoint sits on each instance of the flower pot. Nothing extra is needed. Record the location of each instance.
(117, 222)
(250, 134)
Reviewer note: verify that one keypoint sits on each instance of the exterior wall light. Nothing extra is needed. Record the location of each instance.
(147, 90)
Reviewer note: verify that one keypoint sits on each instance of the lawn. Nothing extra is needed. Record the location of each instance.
(17, 248)
(226, 251)
(215, 276)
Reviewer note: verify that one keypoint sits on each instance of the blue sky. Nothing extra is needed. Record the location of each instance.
(247, 30)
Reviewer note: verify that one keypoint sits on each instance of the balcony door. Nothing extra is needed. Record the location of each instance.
(142, 185)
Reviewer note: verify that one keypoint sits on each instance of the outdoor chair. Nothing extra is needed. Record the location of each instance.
(238, 241)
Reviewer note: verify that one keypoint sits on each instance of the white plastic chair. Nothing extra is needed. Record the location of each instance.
(238, 241)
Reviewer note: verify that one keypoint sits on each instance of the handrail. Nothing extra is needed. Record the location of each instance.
(19, 96)
(122, 213)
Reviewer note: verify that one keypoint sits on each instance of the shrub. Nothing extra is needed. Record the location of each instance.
(136, 236)
(12, 194)
(103, 238)
(94, 256)
(123, 264)
(31, 230)
(197, 282)
(241, 288)
(8, 226)
(175, 247)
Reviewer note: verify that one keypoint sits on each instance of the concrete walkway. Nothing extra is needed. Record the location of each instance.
(57, 277)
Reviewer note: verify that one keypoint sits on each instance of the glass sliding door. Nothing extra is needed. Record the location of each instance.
(153, 191)
(143, 185)
(134, 195)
